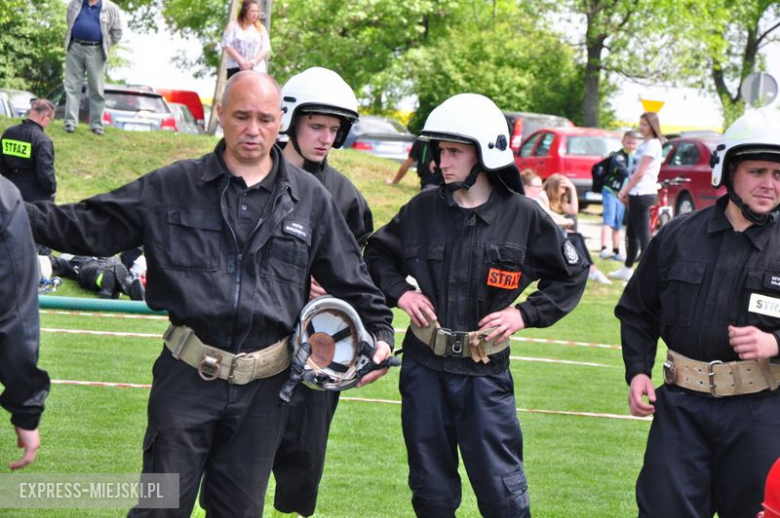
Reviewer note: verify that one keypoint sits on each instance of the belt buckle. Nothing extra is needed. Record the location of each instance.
(711, 376)
(231, 373)
(209, 365)
(455, 340)
(669, 371)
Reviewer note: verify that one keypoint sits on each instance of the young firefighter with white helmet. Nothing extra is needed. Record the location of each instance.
(319, 108)
(473, 246)
(709, 286)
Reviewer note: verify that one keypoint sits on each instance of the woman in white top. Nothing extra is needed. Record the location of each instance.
(246, 41)
(639, 193)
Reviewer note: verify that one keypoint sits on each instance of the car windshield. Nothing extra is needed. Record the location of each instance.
(379, 126)
(591, 146)
(134, 102)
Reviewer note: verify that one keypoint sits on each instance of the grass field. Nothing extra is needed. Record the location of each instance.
(582, 458)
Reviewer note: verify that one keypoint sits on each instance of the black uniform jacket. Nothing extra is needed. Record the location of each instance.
(234, 299)
(470, 263)
(26, 386)
(348, 199)
(697, 277)
(30, 167)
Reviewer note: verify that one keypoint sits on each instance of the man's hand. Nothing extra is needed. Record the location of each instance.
(382, 353)
(316, 289)
(506, 322)
(30, 441)
(418, 307)
(390, 181)
(623, 196)
(641, 385)
(750, 343)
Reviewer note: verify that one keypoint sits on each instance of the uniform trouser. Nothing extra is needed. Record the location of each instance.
(224, 434)
(638, 232)
(442, 412)
(80, 60)
(706, 455)
(300, 458)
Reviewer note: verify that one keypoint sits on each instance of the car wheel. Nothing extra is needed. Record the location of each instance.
(684, 204)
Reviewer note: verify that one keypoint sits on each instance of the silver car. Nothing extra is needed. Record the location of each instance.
(20, 100)
(380, 136)
(127, 108)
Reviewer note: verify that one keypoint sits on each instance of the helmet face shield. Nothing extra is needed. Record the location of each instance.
(340, 345)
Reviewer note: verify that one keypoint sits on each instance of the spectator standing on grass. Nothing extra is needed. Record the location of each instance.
(639, 193)
(94, 26)
(230, 241)
(26, 386)
(246, 41)
(319, 109)
(562, 196)
(473, 246)
(534, 189)
(615, 177)
(709, 286)
(420, 154)
(27, 154)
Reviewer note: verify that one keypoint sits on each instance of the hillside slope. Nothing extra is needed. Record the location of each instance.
(87, 164)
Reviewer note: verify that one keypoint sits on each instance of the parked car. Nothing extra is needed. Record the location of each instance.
(522, 124)
(690, 158)
(20, 100)
(127, 108)
(185, 122)
(570, 151)
(189, 98)
(6, 110)
(380, 136)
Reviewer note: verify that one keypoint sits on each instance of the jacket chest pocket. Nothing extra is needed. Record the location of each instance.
(287, 260)
(502, 276)
(425, 262)
(681, 292)
(761, 300)
(192, 239)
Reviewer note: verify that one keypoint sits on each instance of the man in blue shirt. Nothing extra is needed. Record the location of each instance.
(94, 26)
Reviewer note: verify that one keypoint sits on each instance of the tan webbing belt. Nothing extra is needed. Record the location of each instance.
(721, 379)
(459, 344)
(213, 363)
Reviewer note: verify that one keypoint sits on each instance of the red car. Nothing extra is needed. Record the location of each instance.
(570, 151)
(690, 158)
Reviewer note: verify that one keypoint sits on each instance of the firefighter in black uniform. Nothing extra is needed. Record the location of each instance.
(319, 109)
(26, 386)
(709, 285)
(27, 154)
(473, 246)
(230, 241)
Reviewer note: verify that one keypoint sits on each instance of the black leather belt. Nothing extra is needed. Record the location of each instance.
(87, 43)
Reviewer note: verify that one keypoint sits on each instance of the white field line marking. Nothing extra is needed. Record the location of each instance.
(372, 400)
(158, 336)
(100, 333)
(159, 317)
(564, 362)
(102, 315)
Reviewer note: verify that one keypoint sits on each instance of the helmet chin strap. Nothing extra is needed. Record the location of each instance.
(466, 184)
(308, 165)
(758, 219)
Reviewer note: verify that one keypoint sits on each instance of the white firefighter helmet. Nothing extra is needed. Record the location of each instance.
(755, 133)
(319, 91)
(472, 119)
(341, 347)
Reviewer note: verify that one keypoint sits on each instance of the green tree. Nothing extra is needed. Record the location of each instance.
(505, 53)
(645, 40)
(739, 30)
(32, 54)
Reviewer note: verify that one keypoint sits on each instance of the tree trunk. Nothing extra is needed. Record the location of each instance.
(592, 85)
